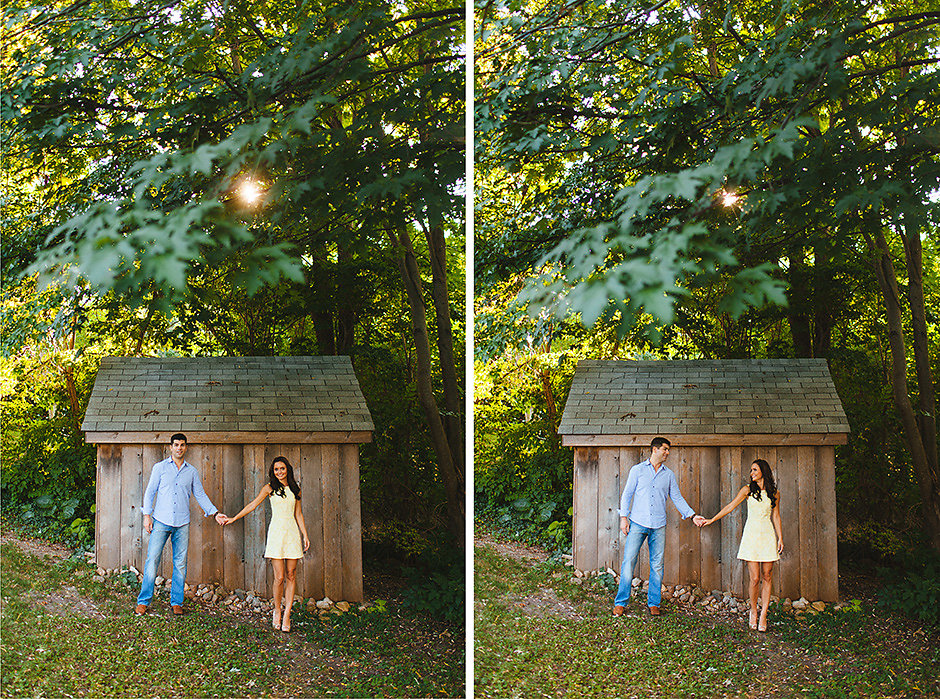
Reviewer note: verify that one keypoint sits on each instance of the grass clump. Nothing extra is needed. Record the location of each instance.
(65, 634)
(539, 634)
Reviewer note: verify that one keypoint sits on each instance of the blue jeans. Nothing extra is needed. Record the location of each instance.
(657, 547)
(179, 538)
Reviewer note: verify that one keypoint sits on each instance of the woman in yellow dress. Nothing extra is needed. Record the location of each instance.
(760, 547)
(287, 525)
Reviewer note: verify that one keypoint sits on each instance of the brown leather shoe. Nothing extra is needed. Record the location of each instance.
(140, 610)
(177, 609)
(618, 610)
(654, 611)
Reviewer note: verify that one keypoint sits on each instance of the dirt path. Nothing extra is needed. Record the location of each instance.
(37, 547)
(512, 549)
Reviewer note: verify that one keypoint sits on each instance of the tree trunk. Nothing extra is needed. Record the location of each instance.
(453, 479)
(822, 314)
(550, 407)
(323, 297)
(798, 295)
(453, 423)
(917, 441)
(347, 304)
(926, 398)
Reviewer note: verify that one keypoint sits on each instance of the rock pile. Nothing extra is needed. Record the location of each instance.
(713, 601)
(235, 600)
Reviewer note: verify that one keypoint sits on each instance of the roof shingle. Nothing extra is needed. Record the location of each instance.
(264, 394)
(736, 396)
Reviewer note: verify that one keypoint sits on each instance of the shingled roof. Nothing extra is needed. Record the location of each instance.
(737, 396)
(245, 394)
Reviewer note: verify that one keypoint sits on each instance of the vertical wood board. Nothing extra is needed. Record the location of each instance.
(787, 475)
(212, 540)
(254, 527)
(132, 492)
(709, 502)
(688, 473)
(806, 469)
(608, 499)
(108, 532)
(311, 457)
(332, 523)
(827, 534)
(351, 535)
(233, 500)
(585, 507)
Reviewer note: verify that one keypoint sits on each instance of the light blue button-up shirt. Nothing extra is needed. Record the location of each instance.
(167, 496)
(644, 498)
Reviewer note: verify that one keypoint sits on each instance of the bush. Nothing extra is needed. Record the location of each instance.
(914, 588)
(436, 590)
(540, 518)
(47, 474)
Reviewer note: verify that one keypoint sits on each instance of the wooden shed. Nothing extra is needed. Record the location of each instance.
(238, 413)
(719, 416)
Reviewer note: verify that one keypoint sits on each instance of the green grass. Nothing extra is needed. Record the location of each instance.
(51, 649)
(519, 653)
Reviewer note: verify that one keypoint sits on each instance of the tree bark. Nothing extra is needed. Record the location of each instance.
(798, 295)
(347, 304)
(822, 314)
(453, 423)
(926, 398)
(452, 478)
(917, 440)
(323, 297)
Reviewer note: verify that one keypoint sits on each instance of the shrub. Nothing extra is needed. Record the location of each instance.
(914, 588)
(540, 518)
(436, 590)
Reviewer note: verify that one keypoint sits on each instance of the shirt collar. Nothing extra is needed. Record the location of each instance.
(169, 462)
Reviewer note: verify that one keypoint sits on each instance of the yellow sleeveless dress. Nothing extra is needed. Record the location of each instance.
(283, 532)
(759, 539)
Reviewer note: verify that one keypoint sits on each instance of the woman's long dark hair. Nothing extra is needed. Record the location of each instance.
(769, 484)
(276, 485)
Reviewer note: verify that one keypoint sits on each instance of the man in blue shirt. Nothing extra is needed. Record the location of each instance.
(166, 516)
(643, 517)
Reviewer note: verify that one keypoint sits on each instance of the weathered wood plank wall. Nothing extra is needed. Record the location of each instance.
(709, 477)
(233, 474)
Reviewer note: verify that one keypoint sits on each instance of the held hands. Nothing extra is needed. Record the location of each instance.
(221, 519)
(700, 521)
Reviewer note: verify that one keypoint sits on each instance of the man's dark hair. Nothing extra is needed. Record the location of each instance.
(178, 437)
(659, 441)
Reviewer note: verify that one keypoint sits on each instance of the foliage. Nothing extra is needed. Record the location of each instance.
(703, 183)
(913, 587)
(560, 531)
(194, 100)
(522, 474)
(670, 150)
(439, 593)
(47, 470)
(132, 132)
